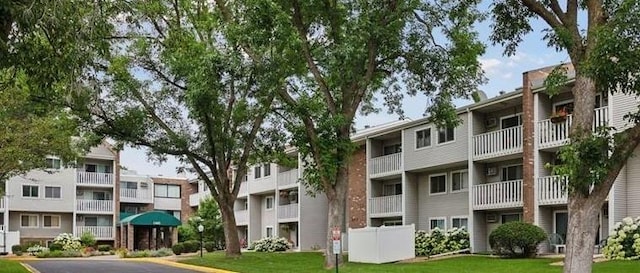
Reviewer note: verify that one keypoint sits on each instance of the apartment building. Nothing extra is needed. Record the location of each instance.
(273, 203)
(490, 169)
(91, 195)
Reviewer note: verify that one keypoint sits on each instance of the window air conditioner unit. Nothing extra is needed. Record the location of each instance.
(490, 122)
(79, 218)
(492, 218)
(491, 171)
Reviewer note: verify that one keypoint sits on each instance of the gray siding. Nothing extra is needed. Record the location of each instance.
(255, 218)
(479, 235)
(313, 220)
(411, 198)
(545, 221)
(64, 179)
(66, 225)
(622, 105)
(633, 185)
(268, 215)
(444, 205)
(484, 178)
(620, 197)
(436, 154)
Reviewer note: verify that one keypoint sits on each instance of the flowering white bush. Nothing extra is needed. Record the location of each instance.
(624, 242)
(33, 250)
(438, 242)
(270, 244)
(68, 241)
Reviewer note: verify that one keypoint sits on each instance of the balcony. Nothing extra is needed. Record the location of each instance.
(242, 217)
(288, 178)
(385, 165)
(94, 206)
(384, 206)
(497, 143)
(100, 232)
(506, 194)
(136, 195)
(244, 190)
(194, 199)
(288, 212)
(94, 179)
(552, 190)
(554, 134)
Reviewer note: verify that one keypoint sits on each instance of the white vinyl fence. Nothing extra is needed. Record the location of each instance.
(13, 238)
(382, 244)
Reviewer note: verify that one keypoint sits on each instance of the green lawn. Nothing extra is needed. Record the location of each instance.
(312, 262)
(11, 266)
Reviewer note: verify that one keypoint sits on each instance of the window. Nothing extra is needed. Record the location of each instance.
(390, 223)
(167, 191)
(29, 191)
(392, 149)
(128, 185)
(459, 181)
(91, 221)
(445, 135)
(512, 173)
(563, 106)
(91, 168)
(510, 121)
(51, 221)
(269, 231)
(423, 138)
(107, 169)
(256, 172)
(52, 192)
(269, 202)
(438, 184)
(29, 220)
(129, 209)
(437, 223)
(512, 217)
(52, 163)
(392, 189)
(459, 222)
(101, 195)
(267, 169)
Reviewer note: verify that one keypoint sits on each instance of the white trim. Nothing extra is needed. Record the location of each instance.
(451, 184)
(438, 143)
(460, 217)
(510, 116)
(266, 202)
(555, 212)
(51, 186)
(443, 218)
(511, 165)
(511, 213)
(30, 214)
(445, 183)
(415, 137)
(52, 215)
(29, 197)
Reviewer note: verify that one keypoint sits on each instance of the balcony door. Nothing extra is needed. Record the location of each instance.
(560, 223)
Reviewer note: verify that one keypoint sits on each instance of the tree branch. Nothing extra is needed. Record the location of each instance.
(623, 150)
(537, 8)
(555, 7)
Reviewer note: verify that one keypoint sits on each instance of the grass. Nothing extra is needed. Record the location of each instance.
(12, 266)
(312, 262)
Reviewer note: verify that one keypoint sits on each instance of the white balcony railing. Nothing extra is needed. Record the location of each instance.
(94, 179)
(386, 164)
(506, 194)
(386, 205)
(552, 190)
(498, 143)
(135, 195)
(287, 178)
(94, 205)
(552, 134)
(288, 211)
(100, 232)
(242, 216)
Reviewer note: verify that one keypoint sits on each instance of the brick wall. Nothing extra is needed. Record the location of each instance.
(357, 195)
(186, 189)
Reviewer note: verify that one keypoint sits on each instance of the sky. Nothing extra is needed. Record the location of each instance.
(503, 73)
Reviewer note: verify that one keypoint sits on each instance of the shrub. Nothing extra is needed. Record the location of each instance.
(59, 254)
(55, 247)
(68, 241)
(87, 239)
(624, 241)
(16, 249)
(437, 242)
(122, 252)
(33, 250)
(162, 252)
(88, 250)
(178, 248)
(270, 244)
(104, 248)
(191, 246)
(516, 239)
(210, 246)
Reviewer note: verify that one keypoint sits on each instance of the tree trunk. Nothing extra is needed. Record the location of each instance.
(581, 233)
(231, 238)
(337, 198)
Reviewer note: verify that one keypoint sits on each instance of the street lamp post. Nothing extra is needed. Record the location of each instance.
(201, 229)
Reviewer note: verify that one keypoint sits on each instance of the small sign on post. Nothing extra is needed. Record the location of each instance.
(335, 234)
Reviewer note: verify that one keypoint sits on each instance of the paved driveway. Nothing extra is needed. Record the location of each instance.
(93, 266)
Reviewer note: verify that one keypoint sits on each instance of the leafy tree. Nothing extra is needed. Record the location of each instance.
(174, 85)
(605, 52)
(45, 46)
(339, 54)
(208, 215)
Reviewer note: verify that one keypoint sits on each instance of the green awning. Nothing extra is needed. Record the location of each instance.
(152, 218)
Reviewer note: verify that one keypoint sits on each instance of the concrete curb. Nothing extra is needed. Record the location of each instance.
(29, 268)
(180, 265)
